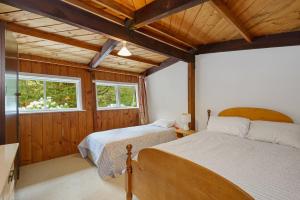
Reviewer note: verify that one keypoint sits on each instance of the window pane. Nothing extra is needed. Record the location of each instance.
(127, 96)
(106, 96)
(32, 95)
(60, 95)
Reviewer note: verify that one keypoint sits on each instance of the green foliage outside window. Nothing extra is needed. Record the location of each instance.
(59, 95)
(63, 95)
(127, 96)
(106, 96)
(31, 93)
(116, 96)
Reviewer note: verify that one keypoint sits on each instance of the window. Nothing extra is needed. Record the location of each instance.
(49, 93)
(111, 95)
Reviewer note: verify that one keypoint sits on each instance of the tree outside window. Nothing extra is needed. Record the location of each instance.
(116, 95)
(40, 93)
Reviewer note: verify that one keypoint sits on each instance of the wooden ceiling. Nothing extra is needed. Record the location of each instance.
(51, 49)
(204, 24)
(208, 22)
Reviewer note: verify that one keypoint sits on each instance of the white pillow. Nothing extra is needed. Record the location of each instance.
(275, 132)
(238, 126)
(164, 123)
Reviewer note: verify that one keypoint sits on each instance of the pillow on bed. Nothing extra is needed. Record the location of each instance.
(238, 126)
(164, 123)
(275, 132)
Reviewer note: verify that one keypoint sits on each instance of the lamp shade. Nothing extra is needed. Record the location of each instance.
(186, 118)
(124, 51)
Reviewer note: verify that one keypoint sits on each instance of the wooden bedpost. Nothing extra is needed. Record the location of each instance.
(191, 94)
(208, 115)
(128, 173)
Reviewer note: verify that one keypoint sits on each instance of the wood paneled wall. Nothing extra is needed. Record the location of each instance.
(45, 136)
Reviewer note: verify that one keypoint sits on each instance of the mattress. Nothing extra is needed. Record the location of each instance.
(264, 170)
(107, 149)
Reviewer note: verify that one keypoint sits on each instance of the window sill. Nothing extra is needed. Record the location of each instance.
(125, 108)
(49, 111)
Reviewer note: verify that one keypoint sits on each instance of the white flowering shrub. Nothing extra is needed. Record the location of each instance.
(41, 104)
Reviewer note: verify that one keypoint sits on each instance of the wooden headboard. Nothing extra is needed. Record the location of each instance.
(256, 114)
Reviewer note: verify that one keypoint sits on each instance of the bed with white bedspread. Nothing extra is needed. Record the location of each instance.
(107, 149)
(264, 170)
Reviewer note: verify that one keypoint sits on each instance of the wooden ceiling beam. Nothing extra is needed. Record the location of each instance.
(276, 40)
(163, 65)
(159, 9)
(156, 27)
(106, 49)
(64, 12)
(222, 9)
(69, 41)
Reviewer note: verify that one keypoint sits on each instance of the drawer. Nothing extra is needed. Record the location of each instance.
(9, 188)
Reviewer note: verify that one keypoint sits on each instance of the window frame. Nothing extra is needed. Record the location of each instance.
(117, 94)
(53, 78)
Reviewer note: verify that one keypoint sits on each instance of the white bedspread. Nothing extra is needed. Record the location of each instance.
(266, 171)
(108, 148)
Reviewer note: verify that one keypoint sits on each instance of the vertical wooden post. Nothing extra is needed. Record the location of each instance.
(128, 173)
(2, 82)
(94, 109)
(191, 93)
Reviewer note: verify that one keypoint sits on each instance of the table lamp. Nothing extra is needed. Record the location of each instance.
(186, 119)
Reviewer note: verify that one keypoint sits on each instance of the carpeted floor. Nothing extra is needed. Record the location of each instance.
(66, 178)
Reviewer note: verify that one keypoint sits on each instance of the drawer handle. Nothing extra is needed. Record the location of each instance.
(11, 176)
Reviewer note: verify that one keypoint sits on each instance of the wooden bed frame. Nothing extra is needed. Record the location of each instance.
(158, 175)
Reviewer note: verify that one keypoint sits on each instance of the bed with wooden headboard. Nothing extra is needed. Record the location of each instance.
(158, 175)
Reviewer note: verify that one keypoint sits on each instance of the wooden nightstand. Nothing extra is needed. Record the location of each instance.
(182, 133)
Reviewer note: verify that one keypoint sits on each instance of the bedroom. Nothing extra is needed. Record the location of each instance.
(187, 57)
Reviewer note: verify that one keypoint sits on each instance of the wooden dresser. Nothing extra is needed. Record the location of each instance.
(7, 171)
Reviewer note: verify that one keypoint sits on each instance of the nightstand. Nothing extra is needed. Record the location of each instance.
(182, 133)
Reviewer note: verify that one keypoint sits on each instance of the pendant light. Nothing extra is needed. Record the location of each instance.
(124, 51)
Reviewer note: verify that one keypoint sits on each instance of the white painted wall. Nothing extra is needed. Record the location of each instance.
(268, 78)
(167, 92)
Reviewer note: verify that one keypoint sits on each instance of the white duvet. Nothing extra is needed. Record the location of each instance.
(266, 171)
(107, 149)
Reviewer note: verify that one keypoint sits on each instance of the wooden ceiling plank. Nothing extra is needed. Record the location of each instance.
(51, 61)
(163, 65)
(50, 36)
(69, 14)
(276, 40)
(106, 49)
(158, 28)
(73, 42)
(116, 7)
(41, 59)
(222, 9)
(92, 9)
(136, 58)
(159, 9)
(165, 38)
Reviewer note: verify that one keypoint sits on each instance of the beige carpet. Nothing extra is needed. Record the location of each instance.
(66, 178)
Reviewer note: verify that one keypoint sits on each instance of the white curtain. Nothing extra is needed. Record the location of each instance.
(144, 116)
